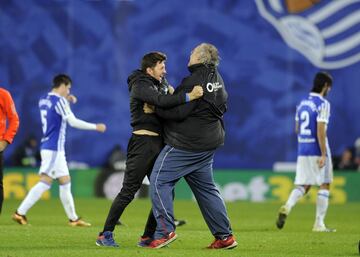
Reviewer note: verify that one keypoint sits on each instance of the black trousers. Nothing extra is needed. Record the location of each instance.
(1, 180)
(142, 152)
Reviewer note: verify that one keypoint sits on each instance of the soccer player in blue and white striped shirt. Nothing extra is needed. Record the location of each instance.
(55, 113)
(314, 165)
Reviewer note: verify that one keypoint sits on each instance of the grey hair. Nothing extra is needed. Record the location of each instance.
(208, 54)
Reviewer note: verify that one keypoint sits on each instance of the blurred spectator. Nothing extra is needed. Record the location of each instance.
(27, 154)
(357, 153)
(116, 159)
(346, 161)
(111, 174)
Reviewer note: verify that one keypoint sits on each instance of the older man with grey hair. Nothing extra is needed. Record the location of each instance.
(192, 133)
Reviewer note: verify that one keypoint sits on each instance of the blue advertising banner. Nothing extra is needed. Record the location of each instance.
(270, 51)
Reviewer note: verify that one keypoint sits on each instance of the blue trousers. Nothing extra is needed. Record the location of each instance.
(196, 167)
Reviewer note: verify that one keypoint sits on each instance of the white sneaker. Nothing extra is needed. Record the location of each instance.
(323, 229)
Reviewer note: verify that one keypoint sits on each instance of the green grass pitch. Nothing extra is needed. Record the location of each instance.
(253, 225)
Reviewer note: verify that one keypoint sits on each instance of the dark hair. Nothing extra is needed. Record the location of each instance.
(61, 79)
(150, 60)
(320, 79)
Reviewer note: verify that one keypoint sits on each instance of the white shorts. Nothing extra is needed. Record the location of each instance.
(309, 173)
(53, 164)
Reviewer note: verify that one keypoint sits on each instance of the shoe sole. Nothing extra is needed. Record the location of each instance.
(327, 230)
(101, 244)
(166, 243)
(143, 245)
(80, 225)
(232, 246)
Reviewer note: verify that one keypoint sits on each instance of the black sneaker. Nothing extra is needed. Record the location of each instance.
(283, 213)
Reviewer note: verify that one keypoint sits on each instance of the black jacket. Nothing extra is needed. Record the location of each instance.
(198, 125)
(145, 89)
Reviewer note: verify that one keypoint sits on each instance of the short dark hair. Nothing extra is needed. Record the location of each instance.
(61, 79)
(150, 60)
(321, 78)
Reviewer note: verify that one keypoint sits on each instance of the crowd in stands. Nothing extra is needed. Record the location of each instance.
(349, 160)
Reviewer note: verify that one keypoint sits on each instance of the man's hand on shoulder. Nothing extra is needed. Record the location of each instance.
(171, 89)
(148, 108)
(196, 93)
(101, 127)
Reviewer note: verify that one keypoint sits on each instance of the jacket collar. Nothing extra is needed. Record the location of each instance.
(199, 66)
(139, 74)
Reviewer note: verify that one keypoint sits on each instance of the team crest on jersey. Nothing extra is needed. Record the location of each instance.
(326, 32)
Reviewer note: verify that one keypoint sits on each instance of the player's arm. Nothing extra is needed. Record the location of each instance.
(297, 120)
(72, 99)
(13, 119)
(149, 95)
(321, 135)
(296, 127)
(81, 124)
(322, 119)
(63, 108)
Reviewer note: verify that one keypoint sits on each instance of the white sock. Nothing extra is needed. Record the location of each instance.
(68, 201)
(32, 197)
(322, 204)
(295, 195)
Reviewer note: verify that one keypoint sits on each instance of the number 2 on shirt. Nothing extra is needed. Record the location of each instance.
(305, 121)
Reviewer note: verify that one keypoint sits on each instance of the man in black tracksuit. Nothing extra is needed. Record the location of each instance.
(146, 141)
(192, 133)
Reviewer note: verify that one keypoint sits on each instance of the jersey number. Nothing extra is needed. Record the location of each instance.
(305, 121)
(43, 114)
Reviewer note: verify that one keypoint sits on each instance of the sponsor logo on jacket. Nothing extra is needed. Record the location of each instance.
(211, 87)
